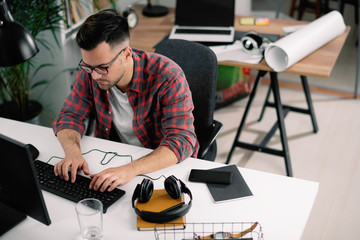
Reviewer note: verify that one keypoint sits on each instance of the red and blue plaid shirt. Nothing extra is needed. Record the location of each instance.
(159, 95)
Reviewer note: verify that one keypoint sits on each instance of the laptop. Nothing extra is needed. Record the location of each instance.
(205, 21)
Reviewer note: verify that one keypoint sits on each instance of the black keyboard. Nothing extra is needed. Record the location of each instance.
(73, 191)
(203, 31)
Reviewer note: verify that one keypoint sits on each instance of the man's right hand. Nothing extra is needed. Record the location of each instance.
(70, 142)
(62, 168)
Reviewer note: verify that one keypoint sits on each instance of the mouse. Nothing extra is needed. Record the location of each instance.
(33, 150)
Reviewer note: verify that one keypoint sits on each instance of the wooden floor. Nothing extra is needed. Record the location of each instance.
(330, 157)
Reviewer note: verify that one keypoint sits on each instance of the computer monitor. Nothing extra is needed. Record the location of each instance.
(20, 192)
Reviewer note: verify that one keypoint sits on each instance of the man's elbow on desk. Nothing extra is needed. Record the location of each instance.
(183, 146)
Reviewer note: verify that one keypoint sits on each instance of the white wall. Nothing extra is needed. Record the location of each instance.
(243, 7)
(57, 89)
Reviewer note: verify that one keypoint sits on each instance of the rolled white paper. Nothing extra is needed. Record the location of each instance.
(290, 49)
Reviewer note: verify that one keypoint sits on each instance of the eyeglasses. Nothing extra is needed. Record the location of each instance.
(99, 70)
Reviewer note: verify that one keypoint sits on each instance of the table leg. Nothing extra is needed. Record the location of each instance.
(311, 111)
(266, 104)
(281, 124)
(251, 97)
(281, 113)
(357, 64)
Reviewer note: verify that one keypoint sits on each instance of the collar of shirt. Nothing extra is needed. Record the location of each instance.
(136, 83)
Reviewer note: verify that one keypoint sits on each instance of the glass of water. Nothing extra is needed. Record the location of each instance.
(90, 215)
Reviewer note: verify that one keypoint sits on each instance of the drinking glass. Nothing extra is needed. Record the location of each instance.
(90, 215)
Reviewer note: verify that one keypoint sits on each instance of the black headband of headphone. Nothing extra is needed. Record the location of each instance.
(251, 41)
(174, 187)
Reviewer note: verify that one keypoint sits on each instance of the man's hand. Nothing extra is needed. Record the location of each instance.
(70, 142)
(61, 169)
(111, 178)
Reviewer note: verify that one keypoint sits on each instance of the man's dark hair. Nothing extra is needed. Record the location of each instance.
(107, 25)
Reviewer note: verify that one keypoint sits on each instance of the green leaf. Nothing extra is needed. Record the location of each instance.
(40, 83)
(42, 66)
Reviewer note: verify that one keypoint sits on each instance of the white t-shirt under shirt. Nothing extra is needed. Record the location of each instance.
(122, 117)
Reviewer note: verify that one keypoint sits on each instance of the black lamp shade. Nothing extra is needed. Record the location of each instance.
(16, 43)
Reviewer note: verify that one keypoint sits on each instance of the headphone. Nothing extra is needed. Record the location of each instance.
(253, 43)
(174, 187)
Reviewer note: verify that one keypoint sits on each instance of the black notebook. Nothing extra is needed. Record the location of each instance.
(235, 190)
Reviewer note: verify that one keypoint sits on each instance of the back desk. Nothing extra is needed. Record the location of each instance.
(320, 63)
(280, 204)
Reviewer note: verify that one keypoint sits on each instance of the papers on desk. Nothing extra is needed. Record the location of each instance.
(235, 52)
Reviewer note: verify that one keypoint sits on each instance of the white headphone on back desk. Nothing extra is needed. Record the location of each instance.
(253, 43)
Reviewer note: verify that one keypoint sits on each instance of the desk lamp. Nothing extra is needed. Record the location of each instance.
(154, 11)
(16, 43)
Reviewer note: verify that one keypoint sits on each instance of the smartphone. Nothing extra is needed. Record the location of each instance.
(210, 176)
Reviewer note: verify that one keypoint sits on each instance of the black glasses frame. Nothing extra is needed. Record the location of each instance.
(99, 70)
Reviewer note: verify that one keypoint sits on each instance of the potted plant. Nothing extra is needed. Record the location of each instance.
(100, 4)
(16, 81)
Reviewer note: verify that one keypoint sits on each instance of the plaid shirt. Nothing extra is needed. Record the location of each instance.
(159, 95)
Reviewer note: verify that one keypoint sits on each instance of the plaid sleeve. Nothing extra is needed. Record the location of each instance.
(178, 120)
(77, 106)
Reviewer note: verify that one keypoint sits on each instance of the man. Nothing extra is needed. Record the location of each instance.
(138, 97)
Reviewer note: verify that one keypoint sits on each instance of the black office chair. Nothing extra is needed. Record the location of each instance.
(200, 65)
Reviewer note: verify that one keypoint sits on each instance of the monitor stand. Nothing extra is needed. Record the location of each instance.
(9, 218)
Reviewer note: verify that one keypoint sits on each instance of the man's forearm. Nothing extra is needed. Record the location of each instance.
(160, 158)
(70, 142)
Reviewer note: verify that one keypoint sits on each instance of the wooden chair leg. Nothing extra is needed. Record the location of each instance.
(318, 8)
(356, 8)
(301, 8)
(342, 6)
(292, 8)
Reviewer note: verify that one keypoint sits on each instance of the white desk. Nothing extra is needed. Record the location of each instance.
(280, 204)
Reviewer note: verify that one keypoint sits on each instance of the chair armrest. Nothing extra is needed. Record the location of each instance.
(206, 143)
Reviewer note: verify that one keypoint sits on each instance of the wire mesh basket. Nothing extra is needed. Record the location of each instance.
(222, 230)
